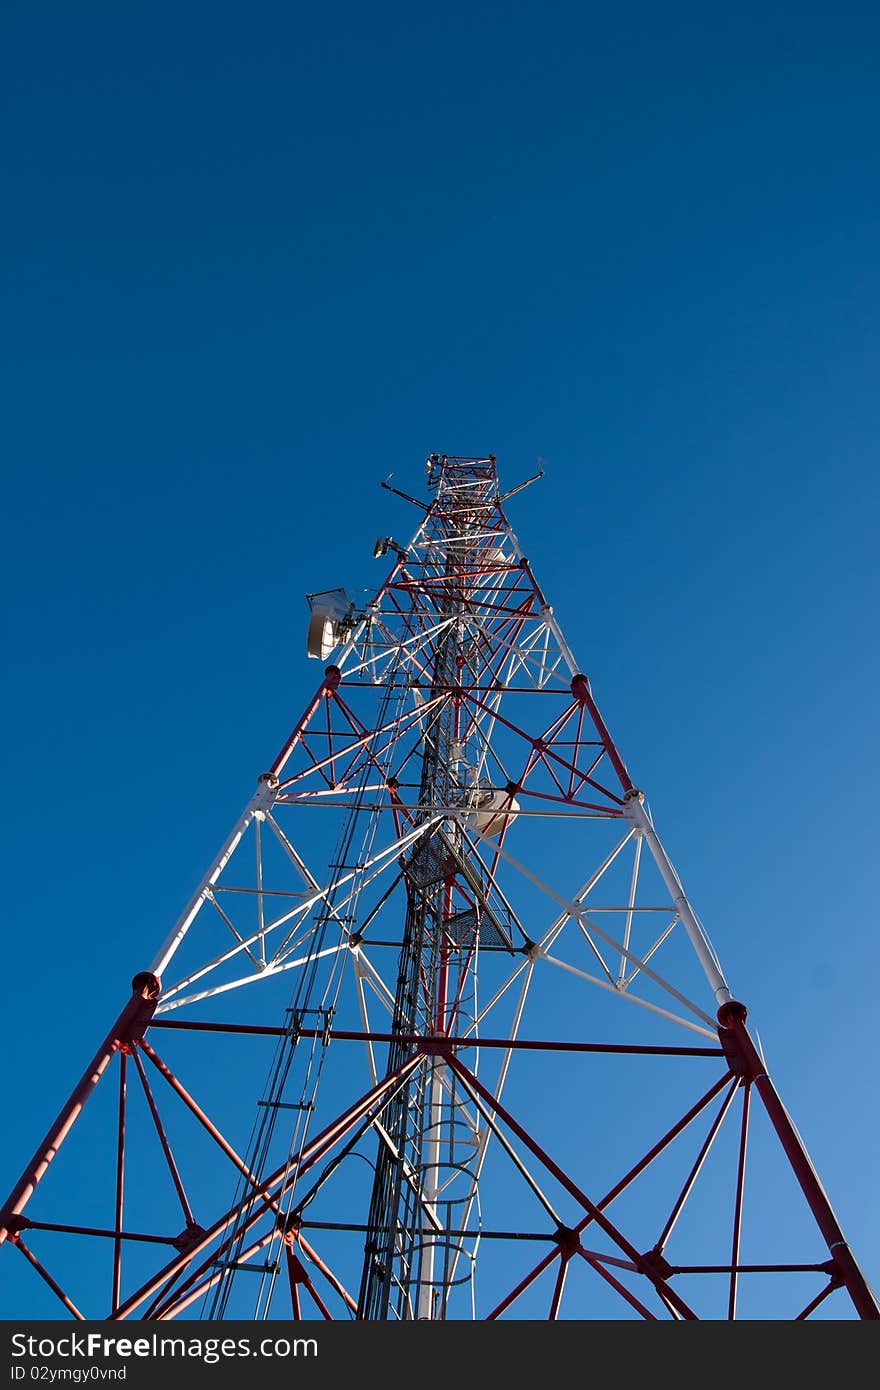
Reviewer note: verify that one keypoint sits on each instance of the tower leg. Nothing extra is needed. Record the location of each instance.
(745, 1059)
(129, 1026)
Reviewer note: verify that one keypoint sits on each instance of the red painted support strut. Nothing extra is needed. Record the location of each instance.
(129, 1027)
(580, 689)
(332, 677)
(455, 681)
(745, 1059)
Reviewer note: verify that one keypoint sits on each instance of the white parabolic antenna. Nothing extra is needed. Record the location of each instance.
(328, 622)
(493, 811)
(321, 638)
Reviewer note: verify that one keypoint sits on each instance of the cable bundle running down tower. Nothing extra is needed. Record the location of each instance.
(502, 1072)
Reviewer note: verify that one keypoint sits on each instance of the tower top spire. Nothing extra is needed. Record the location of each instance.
(461, 470)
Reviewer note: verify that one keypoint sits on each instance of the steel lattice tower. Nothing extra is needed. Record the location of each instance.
(329, 1097)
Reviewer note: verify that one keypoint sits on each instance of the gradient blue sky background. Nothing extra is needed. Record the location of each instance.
(256, 257)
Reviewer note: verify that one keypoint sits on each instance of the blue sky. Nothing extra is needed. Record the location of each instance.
(253, 260)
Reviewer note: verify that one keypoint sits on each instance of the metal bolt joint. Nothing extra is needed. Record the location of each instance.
(147, 984)
(567, 1240)
(742, 1059)
(654, 1263)
(435, 1046)
(191, 1235)
(288, 1224)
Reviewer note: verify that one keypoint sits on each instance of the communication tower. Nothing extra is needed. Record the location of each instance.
(439, 1034)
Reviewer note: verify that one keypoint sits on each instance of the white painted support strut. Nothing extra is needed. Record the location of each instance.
(430, 1186)
(261, 800)
(635, 812)
(547, 614)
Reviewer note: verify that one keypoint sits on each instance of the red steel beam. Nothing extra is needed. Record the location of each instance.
(618, 1187)
(523, 1284)
(734, 1254)
(200, 1115)
(129, 1026)
(208, 1284)
(28, 1225)
(644, 1266)
(298, 1274)
(163, 1140)
(580, 689)
(738, 1204)
(820, 1298)
(531, 1044)
(558, 1288)
(737, 1041)
(695, 1170)
(327, 1272)
(120, 1185)
(45, 1275)
(331, 679)
(281, 1178)
(618, 1286)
